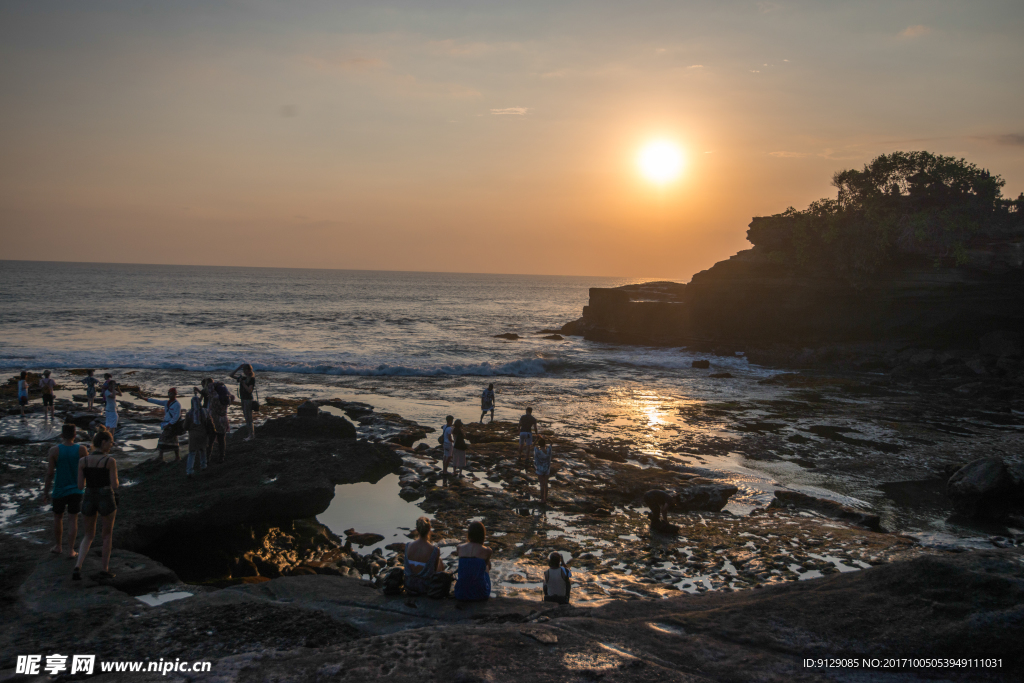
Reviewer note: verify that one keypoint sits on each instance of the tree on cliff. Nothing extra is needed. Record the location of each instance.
(900, 205)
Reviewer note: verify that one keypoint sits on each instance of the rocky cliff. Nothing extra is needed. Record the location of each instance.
(788, 294)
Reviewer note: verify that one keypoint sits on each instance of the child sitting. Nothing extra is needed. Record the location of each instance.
(557, 580)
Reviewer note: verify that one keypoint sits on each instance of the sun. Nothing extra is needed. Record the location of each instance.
(660, 161)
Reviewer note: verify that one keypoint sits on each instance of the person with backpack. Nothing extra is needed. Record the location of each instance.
(487, 402)
(199, 426)
(170, 424)
(62, 471)
(47, 384)
(557, 580)
(220, 400)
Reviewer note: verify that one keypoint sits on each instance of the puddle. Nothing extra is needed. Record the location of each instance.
(372, 508)
(157, 599)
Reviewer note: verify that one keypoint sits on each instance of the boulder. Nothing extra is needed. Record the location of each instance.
(701, 364)
(353, 536)
(308, 409)
(555, 337)
(512, 336)
(987, 488)
(720, 375)
(827, 507)
(704, 497)
(319, 427)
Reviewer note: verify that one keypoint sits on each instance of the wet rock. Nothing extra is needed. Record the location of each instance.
(704, 497)
(1002, 343)
(827, 507)
(322, 426)
(511, 336)
(554, 337)
(308, 409)
(720, 375)
(606, 454)
(410, 493)
(987, 488)
(701, 364)
(353, 536)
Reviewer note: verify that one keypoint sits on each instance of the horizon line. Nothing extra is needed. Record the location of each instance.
(355, 270)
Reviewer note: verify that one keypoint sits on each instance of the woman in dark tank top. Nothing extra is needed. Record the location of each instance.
(97, 474)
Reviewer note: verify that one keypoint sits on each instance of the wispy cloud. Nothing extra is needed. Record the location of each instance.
(766, 7)
(695, 66)
(1007, 140)
(789, 155)
(510, 111)
(915, 31)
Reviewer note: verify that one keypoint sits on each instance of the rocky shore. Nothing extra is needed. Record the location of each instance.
(265, 590)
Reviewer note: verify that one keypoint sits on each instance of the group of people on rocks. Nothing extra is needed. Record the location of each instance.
(424, 573)
(82, 480)
(454, 444)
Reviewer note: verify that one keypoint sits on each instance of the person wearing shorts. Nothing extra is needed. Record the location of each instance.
(97, 474)
(47, 384)
(527, 428)
(62, 471)
(487, 403)
(90, 383)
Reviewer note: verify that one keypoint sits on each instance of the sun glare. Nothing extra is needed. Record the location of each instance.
(660, 161)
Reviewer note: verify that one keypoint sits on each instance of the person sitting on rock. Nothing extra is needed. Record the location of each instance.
(557, 580)
(474, 582)
(659, 502)
(422, 560)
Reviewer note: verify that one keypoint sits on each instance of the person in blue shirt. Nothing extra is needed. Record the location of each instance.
(90, 383)
(168, 440)
(474, 582)
(62, 472)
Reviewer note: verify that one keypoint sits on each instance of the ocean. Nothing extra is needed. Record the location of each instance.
(423, 345)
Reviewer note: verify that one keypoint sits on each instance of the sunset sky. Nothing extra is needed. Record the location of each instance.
(473, 136)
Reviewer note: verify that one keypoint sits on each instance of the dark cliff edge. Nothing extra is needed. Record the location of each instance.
(803, 297)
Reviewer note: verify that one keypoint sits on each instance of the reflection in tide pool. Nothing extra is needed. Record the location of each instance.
(371, 508)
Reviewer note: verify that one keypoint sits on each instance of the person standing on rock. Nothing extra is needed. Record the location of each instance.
(62, 471)
(447, 442)
(221, 399)
(47, 385)
(542, 466)
(527, 428)
(90, 383)
(23, 393)
(246, 387)
(459, 448)
(110, 394)
(422, 560)
(659, 502)
(474, 582)
(168, 440)
(487, 402)
(199, 426)
(97, 474)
